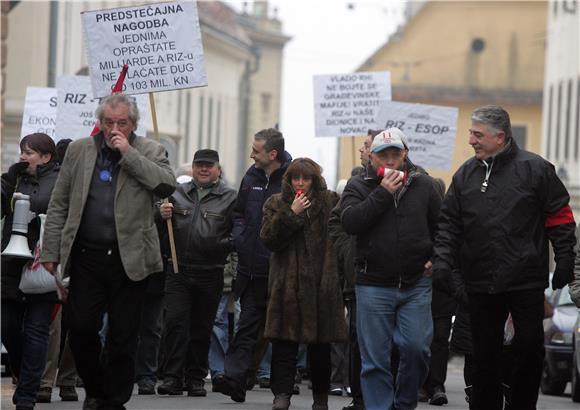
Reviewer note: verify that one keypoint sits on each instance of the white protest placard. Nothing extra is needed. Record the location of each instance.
(75, 114)
(347, 104)
(430, 131)
(160, 42)
(39, 111)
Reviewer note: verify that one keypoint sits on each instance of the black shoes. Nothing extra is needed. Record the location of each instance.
(196, 389)
(229, 387)
(170, 387)
(90, 403)
(44, 395)
(24, 405)
(438, 398)
(146, 388)
(354, 405)
(68, 393)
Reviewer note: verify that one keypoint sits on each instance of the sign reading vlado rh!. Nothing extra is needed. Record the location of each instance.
(160, 42)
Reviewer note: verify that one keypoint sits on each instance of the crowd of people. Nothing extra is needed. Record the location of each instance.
(152, 268)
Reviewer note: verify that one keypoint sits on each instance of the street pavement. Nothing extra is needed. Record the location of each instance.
(261, 399)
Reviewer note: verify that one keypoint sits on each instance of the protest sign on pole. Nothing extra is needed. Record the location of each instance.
(160, 42)
(39, 111)
(75, 114)
(347, 104)
(430, 130)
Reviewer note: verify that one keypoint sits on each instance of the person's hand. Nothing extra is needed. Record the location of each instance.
(300, 204)
(428, 269)
(563, 274)
(15, 171)
(392, 182)
(119, 141)
(50, 267)
(166, 210)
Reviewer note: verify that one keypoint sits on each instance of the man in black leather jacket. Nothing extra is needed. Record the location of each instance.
(201, 212)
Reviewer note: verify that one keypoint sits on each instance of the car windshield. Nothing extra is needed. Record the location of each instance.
(564, 297)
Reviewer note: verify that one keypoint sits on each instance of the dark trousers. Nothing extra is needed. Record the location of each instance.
(149, 339)
(252, 293)
(354, 362)
(99, 285)
(25, 336)
(191, 302)
(439, 353)
(284, 359)
(488, 315)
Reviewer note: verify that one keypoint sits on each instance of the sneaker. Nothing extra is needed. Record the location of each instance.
(337, 391)
(44, 395)
(170, 387)
(146, 388)
(68, 393)
(230, 387)
(196, 389)
(264, 382)
(439, 398)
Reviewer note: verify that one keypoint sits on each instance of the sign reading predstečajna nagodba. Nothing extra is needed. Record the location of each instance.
(347, 104)
(160, 42)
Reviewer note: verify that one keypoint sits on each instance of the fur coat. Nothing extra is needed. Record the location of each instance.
(305, 299)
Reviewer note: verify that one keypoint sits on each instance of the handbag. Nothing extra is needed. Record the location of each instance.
(35, 278)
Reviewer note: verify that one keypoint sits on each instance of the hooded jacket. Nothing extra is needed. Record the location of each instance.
(394, 233)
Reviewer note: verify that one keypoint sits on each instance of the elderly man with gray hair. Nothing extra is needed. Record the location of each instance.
(502, 207)
(100, 228)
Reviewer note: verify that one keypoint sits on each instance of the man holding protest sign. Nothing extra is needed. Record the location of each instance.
(100, 228)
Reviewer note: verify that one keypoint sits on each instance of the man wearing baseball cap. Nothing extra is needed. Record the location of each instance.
(201, 211)
(393, 214)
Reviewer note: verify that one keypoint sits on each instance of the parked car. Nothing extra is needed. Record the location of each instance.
(576, 362)
(558, 336)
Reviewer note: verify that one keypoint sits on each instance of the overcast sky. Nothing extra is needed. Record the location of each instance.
(328, 37)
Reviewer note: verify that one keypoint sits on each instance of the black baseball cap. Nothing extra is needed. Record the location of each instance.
(206, 155)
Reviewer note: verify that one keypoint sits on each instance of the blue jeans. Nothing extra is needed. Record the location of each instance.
(265, 365)
(25, 334)
(403, 317)
(219, 338)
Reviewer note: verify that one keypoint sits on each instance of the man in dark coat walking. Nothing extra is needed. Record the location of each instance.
(262, 180)
(501, 209)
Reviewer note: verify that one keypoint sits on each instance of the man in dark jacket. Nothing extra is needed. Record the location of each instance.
(262, 180)
(501, 208)
(201, 211)
(394, 219)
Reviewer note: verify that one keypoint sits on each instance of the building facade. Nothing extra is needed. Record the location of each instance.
(466, 54)
(561, 113)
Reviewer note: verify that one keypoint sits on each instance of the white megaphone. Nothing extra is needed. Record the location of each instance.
(18, 245)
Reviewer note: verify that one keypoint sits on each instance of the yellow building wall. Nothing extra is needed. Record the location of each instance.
(433, 52)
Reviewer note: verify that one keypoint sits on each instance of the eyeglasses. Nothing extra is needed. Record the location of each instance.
(121, 123)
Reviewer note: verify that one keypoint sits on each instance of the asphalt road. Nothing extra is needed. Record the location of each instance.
(261, 399)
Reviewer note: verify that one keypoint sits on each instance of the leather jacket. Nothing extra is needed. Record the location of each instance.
(202, 229)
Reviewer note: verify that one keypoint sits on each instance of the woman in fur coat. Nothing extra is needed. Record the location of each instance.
(305, 300)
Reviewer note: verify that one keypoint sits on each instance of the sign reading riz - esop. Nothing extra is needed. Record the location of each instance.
(160, 42)
(430, 131)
